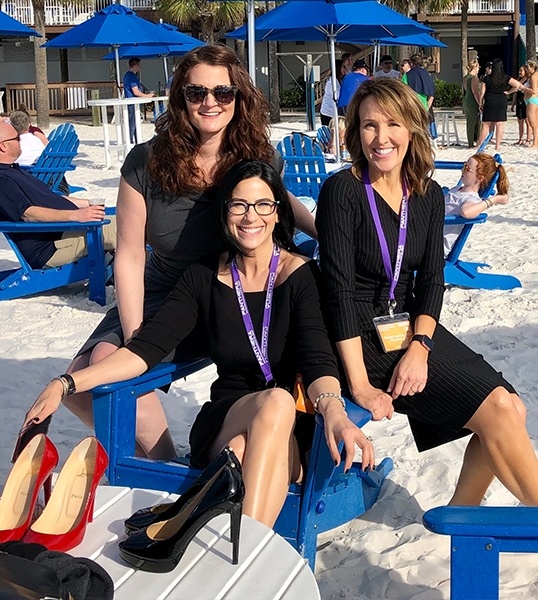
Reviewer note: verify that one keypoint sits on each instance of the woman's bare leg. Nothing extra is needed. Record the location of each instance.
(483, 132)
(532, 116)
(501, 448)
(259, 428)
(499, 132)
(153, 439)
(476, 476)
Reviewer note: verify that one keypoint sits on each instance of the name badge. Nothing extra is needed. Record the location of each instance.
(394, 331)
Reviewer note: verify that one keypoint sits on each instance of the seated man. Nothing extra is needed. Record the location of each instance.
(31, 146)
(25, 198)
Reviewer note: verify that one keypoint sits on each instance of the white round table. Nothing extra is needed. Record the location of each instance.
(269, 568)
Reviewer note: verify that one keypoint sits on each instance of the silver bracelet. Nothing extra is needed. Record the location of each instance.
(328, 395)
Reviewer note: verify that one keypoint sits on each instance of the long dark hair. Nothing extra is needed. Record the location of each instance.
(172, 160)
(498, 76)
(248, 169)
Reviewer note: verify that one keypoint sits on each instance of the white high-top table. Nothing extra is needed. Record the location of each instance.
(122, 143)
(269, 568)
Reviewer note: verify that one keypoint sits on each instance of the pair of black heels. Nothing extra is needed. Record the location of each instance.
(159, 536)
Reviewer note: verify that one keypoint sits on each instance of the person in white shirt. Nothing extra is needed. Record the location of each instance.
(31, 145)
(464, 199)
(330, 98)
(386, 69)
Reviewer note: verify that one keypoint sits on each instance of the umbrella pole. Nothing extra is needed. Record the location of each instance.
(251, 36)
(118, 74)
(333, 79)
(165, 65)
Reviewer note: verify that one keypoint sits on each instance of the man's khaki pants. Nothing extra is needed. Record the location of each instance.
(72, 245)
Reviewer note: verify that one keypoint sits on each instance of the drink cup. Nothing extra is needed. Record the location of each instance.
(96, 201)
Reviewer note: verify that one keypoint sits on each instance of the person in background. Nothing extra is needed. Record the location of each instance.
(470, 88)
(341, 134)
(520, 107)
(31, 145)
(531, 100)
(464, 199)
(385, 68)
(380, 226)
(330, 97)
(347, 61)
(23, 198)
(420, 81)
(350, 83)
(404, 68)
(215, 118)
(132, 88)
(33, 128)
(494, 102)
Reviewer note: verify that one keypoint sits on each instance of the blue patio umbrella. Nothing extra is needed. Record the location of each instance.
(115, 25)
(420, 39)
(331, 20)
(178, 49)
(11, 27)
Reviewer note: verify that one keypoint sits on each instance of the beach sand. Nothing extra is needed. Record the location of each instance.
(386, 554)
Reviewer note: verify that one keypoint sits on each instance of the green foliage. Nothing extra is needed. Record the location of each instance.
(295, 96)
(447, 95)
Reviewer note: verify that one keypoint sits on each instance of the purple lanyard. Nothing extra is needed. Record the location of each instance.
(260, 351)
(392, 276)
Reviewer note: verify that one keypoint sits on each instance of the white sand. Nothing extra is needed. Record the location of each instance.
(387, 554)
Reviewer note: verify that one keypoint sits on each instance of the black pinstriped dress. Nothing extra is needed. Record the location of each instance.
(355, 290)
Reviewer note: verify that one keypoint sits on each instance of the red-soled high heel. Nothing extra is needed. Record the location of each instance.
(32, 469)
(62, 524)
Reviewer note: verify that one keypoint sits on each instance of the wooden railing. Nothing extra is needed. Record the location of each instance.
(64, 98)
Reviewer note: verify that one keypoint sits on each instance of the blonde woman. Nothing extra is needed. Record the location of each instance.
(531, 99)
(471, 100)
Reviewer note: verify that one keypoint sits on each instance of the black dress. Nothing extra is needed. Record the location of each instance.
(298, 341)
(356, 291)
(495, 100)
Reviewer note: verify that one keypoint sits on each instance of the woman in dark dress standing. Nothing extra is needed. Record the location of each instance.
(380, 228)
(494, 101)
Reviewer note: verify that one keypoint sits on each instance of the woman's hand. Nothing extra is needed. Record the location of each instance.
(338, 428)
(378, 402)
(411, 372)
(46, 404)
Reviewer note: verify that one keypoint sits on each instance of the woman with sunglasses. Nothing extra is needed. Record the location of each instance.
(464, 199)
(257, 285)
(215, 118)
(380, 227)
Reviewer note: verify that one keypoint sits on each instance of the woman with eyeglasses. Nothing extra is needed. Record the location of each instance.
(380, 227)
(258, 305)
(464, 199)
(215, 118)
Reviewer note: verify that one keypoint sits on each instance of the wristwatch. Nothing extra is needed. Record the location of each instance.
(426, 341)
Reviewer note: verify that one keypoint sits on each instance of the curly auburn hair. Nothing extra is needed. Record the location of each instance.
(402, 104)
(486, 168)
(172, 159)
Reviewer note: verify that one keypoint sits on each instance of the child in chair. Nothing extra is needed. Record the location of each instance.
(464, 199)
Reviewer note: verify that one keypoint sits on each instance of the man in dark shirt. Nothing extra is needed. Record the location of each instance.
(350, 83)
(132, 88)
(25, 198)
(418, 79)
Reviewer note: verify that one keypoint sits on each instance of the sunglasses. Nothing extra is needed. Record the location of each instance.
(467, 168)
(196, 94)
(13, 139)
(263, 208)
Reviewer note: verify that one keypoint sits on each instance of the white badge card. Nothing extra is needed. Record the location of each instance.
(394, 331)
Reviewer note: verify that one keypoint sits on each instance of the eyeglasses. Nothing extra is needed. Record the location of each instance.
(196, 94)
(387, 62)
(16, 138)
(263, 208)
(468, 169)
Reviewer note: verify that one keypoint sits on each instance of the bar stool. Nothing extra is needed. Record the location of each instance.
(446, 121)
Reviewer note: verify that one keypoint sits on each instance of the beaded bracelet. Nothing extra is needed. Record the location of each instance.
(328, 395)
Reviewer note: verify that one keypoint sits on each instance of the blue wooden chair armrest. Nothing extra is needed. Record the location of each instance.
(478, 535)
(19, 227)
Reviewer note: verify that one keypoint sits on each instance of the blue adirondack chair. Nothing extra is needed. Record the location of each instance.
(304, 170)
(57, 158)
(25, 281)
(328, 498)
(478, 535)
(323, 137)
(458, 165)
(465, 273)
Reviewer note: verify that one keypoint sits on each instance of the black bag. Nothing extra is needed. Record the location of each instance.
(23, 579)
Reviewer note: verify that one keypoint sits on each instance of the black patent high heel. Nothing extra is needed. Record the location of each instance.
(161, 546)
(145, 517)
